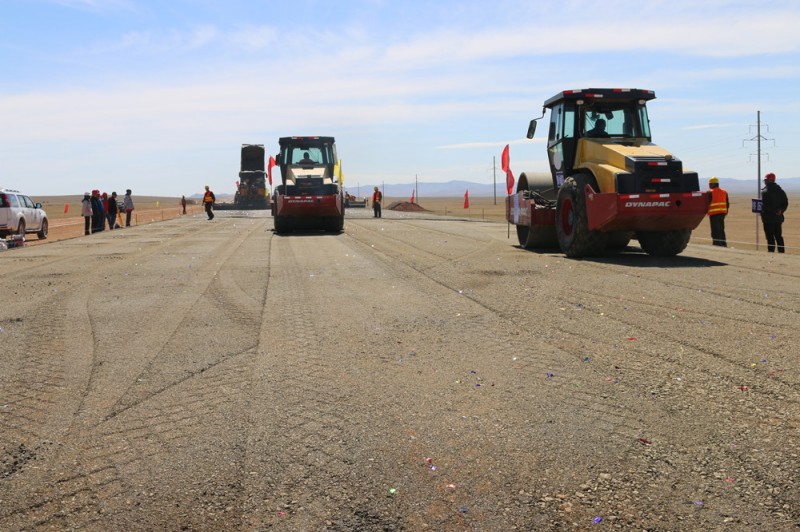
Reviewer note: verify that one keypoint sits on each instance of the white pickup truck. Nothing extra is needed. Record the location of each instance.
(20, 215)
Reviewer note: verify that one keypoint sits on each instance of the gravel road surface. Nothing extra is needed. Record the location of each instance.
(412, 373)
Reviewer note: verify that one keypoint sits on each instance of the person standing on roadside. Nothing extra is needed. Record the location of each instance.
(183, 203)
(98, 213)
(86, 212)
(127, 206)
(208, 203)
(111, 210)
(718, 205)
(377, 198)
(773, 204)
(104, 199)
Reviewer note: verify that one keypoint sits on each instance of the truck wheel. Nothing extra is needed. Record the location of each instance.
(21, 228)
(664, 243)
(572, 224)
(42, 234)
(280, 224)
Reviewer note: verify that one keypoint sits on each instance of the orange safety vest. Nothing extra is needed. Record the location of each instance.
(377, 197)
(208, 197)
(719, 202)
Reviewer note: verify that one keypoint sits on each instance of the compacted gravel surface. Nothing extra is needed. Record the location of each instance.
(412, 373)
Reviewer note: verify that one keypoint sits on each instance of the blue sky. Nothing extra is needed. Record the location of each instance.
(158, 96)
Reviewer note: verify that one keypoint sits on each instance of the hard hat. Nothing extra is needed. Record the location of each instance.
(206, 187)
(376, 188)
(769, 177)
(713, 181)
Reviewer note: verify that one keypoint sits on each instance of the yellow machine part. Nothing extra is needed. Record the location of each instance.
(604, 159)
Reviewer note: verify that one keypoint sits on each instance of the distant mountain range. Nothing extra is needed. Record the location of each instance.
(455, 189)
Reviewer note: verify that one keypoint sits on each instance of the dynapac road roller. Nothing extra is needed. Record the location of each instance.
(608, 182)
(310, 195)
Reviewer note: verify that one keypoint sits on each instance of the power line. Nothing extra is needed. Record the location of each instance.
(757, 139)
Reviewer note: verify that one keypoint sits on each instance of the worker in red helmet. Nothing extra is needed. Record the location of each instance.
(718, 205)
(773, 204)
(377, 199)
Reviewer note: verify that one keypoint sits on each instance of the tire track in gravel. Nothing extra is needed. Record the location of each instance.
(605, 265)
(296, 432)
(232, 308)
(510, 308)
(610, 415)
(574, 299)
(35, 260)
(35, 372)
(75, 499)
(466, 463)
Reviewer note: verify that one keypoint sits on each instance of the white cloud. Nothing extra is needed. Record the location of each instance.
(710, 126)
(161, 85)
(736, 35)
(150, 42)
(253, 38)
(94, 5)
(495, 144)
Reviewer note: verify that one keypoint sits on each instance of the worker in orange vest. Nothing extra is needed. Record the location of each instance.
(377, 198)
(718, 206)
(208, 203)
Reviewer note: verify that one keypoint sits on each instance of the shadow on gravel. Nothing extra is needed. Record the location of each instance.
(637, 258)
(641, 259)
(306, 232)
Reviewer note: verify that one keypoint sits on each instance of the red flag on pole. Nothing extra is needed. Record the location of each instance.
(505, 162)
(412, 196)
(269, 168)
(510, 181)
(66, 208)
(466, 199)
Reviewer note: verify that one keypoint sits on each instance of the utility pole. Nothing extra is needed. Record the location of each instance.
(494, 177)
(758, 138)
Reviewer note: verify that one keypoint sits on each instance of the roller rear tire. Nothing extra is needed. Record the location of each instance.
(572, 224)
(664, 243)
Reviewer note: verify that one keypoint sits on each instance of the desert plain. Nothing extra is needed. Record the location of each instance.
(415, 372)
